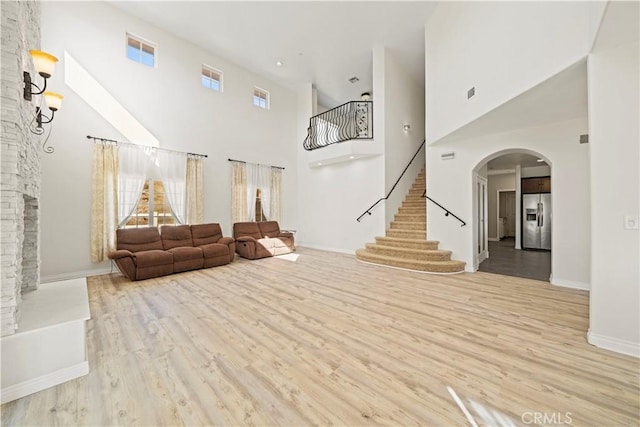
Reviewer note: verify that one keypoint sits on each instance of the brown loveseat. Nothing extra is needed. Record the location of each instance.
(143, 253)
(261, 239)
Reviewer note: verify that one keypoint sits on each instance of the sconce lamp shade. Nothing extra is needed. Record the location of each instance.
(54, 100)
(45, 63)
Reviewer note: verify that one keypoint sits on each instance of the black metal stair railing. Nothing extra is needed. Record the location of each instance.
(447, 212)
(352, 120)
(368, 211)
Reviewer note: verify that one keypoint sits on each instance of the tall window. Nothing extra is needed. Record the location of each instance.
(141, 51)
(260, 216)
(153, 208)
(261, 98)
(211, 78)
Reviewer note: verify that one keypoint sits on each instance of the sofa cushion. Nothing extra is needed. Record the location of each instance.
(269, 229)
(274, 246)
(184, 253)
(174, 236)
(152, 258)
(246, 229)
(139, 239)
(204, 234)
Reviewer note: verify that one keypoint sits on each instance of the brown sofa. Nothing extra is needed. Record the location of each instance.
(256, 240)
(143, 253)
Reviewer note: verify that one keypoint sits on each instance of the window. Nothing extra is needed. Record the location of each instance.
(260, 216)
(141, 51)
(211, 78)
(261, 98)
(153, 208)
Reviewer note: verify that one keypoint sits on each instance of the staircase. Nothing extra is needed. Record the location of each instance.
(405, 244)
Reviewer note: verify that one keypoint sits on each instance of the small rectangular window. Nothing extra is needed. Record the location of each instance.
(261, 98)
(141, 51)
(211, 78)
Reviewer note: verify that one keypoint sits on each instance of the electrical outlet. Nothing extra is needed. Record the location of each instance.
(631, 222)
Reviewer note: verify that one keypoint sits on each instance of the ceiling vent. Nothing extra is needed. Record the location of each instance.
(354, 79)
(448, 156)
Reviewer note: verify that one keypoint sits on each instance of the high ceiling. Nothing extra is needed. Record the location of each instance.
(324, 43)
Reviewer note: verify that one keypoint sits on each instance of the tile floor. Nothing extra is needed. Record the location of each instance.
(505, 259)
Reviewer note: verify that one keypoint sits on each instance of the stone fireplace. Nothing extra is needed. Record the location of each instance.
(20, 157)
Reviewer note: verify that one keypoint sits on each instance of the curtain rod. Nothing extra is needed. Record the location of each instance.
(95, 138)
(242, 161)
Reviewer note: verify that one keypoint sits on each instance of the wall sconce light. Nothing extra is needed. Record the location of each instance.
(45, 65)
(366, 96)
(406, 128)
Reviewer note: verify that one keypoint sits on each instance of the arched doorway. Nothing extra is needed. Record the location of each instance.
(512, 206)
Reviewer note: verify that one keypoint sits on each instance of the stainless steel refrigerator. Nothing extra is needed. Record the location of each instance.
(536, 221)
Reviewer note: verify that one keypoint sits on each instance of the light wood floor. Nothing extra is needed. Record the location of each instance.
(327, 340)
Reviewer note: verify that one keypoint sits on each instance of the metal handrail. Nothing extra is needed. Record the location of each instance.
(447, 212)
(351, 120)
(368, 211)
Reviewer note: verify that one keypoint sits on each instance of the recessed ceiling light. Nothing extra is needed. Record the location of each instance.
(278, 64)
(319, 164)
(354, 79)
(540, 160)
(352, 157)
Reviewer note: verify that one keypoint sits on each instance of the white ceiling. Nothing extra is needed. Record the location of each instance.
(324, 43)
(510, 161)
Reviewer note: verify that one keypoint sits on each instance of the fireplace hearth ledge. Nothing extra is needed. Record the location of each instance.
(49, 347)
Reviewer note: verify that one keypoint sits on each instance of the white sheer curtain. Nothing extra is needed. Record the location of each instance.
(173, 172)
(133, 167)
(276, 194)
(264, 183)
(253, 172)
(258, 177)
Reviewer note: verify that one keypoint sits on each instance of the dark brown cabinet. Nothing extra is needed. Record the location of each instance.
(536, 185)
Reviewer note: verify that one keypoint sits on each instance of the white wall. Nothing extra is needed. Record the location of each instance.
(170, 102)
(615, 184)
(497, 183)
(404, 104)
(474, 44)
(332, 196)
(535, 171)
(450, 183)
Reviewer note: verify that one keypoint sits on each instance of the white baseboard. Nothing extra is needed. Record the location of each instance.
(614, 344)
(77, 274)
(326, 248)
(570, 284)
(34, 385)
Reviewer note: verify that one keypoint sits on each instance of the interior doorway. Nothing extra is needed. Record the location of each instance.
(506, 214)
(501, 226)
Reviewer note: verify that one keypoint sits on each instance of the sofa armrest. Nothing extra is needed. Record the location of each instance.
(245, 239)
(120, 253)
(285, 234)
(226, 240)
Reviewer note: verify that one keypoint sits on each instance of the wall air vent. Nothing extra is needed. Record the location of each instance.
(471, 92)
(584, 139)
(448, 156)
(354, 79)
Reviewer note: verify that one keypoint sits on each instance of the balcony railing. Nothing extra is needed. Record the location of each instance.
(353, 120)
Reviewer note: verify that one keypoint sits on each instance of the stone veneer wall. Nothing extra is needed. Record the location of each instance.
(20, 161)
